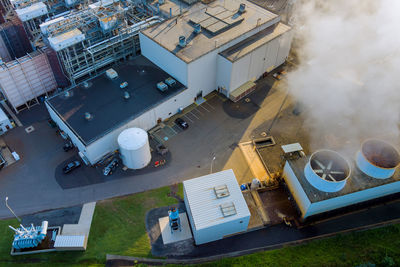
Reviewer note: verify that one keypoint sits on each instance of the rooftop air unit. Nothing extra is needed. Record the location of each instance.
(377, 159)
(197, 28)
(111, 74)
(327, 171)
(242, 8)
(182, 41)
(171, 82)
(162, 86)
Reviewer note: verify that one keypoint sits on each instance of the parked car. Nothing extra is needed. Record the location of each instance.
(181, 123)
(68, 146)
(71, 166)
(110, 168)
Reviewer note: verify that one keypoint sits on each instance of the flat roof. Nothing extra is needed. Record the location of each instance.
(167, 34)
(104, 99)
(358, 181)
(204, 204)
(250, 44)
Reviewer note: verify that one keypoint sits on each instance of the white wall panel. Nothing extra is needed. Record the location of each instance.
(240, 72)
(164, 59)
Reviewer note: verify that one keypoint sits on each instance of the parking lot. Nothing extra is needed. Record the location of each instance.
(215, 128)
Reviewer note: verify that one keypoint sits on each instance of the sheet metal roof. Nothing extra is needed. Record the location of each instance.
(204, 204)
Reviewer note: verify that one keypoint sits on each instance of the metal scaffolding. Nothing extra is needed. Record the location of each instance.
(107, 33)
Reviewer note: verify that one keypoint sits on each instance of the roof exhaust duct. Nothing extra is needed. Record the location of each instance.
(197, 28)
(182, 41)
(242, 8)
(327, 171)
(88, 116)
(377, 159)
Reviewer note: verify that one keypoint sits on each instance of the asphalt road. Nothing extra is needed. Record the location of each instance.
(280, 234)
(31, 184)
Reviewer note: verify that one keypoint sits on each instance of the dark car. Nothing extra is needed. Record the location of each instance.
(68, 146)
(181, 123)
(71, 166)
(110, 168)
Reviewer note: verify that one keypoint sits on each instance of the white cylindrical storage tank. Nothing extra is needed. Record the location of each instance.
(327, 171)
(134, 148)
(377, 159)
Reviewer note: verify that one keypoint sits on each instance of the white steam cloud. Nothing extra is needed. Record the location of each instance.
(349, 74)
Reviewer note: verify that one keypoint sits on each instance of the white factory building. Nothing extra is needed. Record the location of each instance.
(222, 46)
(326, 181)
(229, 49)
(215, 206)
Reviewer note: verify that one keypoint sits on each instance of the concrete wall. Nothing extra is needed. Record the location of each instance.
(202, 74)
(224, 72)
(60, 123)
(263, 59)
(220, 231)
(308, 209)
(164, 59)
(353, 198)
(295, 188)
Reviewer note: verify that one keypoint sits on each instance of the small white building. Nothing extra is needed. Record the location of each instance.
(215, 206)
(5, 123)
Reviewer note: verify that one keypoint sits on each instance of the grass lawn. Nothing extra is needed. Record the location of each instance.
(118, 227)
(377, 246)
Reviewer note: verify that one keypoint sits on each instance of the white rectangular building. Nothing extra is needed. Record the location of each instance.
(231, 49)
(215, 206)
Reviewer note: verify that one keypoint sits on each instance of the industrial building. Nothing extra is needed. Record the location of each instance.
(215, 206)
(223, 46)
(23, 80)
(179, 65)
(95, 113)
(326, 181)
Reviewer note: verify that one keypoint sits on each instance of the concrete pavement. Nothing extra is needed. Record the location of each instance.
(31, 186)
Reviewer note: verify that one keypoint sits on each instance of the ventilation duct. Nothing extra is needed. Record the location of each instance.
(377, 159)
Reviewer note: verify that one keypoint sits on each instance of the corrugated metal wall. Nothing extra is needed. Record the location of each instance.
(61, 79)
(26, 78)
(15, 38)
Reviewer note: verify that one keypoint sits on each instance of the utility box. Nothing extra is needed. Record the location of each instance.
(215, 206)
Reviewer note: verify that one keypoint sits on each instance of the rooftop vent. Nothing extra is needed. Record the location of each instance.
(86, 85)
(182, 41)
(242, 8)
(221, 191)
(123, 85)
(197, 28)
(327, 171)
(88, 116)
(228, 209)
(162, 86)
(378, 159)
(111, 73)
(127, 95)
(67, 93)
